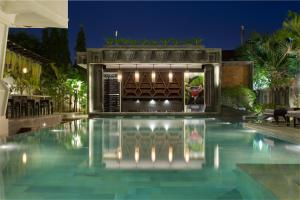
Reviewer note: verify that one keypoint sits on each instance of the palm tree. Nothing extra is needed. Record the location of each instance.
(271, 59)
(292, 25)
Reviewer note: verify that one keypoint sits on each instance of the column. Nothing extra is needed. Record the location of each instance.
(4, 92)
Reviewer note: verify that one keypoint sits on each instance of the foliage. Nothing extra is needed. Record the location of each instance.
(197, 80)
(55, 47)
(275, 64)
(65, 89)
(15, 64)
(145, 42)
(25, 40)
(292, 25)
(238, 97)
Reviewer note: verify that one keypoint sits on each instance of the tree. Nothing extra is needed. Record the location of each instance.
(80, 42)
(26, 40)
(272, 60)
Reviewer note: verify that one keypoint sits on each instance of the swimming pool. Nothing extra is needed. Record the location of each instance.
(147, 158)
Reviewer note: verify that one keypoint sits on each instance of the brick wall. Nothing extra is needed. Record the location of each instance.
(236, 73)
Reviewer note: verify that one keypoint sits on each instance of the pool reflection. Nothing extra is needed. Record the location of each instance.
(153, 144)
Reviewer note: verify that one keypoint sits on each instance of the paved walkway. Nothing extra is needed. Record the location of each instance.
(282, 179)
(280, 131)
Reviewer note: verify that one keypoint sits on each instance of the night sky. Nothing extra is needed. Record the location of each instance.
(218, 23)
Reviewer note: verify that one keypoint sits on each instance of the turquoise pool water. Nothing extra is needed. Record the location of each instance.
(139, 158)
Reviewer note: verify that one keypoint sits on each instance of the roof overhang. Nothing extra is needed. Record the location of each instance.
(34, 13)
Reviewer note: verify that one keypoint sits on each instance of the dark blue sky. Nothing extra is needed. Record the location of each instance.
(218, 23)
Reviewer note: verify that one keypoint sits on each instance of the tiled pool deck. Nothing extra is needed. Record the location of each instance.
(281, 131)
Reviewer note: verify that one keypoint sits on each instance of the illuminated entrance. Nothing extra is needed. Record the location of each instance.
(155, 80)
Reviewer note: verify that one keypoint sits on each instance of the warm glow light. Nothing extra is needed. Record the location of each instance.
(152, 102)
(137, 101)
(216, 157)
(170, 76)
(186, 74)
(153, 154)
(136, 154)
(25, 70)
(260, 145)
(137, 76)
(119, 154)
(119, 76)
(152, 126)
(170, 155)
(166, 102)
(166, 127)
(24, 158)
(44, 124)
(217, 75)
(76, 141)
(153, 76)
(187, 155)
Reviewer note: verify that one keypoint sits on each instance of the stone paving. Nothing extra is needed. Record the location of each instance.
(281, 131)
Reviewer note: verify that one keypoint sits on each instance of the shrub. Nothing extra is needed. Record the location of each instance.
(237, 97)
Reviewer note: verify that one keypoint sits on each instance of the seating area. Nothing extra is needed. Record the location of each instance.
(287, 114)
(21, 106)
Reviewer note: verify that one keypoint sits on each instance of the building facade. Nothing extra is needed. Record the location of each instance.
(161, 79)
(145, 79)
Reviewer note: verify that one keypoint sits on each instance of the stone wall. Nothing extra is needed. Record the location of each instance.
(236, 73)
(33, 123)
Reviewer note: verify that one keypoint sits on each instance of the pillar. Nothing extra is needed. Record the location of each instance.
(4, 92)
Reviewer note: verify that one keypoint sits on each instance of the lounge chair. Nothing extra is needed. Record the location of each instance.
(268, 113)
(295, 114)
(280, 112)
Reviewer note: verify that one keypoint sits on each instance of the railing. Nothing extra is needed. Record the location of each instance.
(23, 106)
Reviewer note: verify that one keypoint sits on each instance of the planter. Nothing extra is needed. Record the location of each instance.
(195, 55)
(178, 55)
(144, 55)
(161, 55)
(128, 55)
(111, 55)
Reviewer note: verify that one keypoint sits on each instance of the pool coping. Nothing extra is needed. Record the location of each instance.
(289, 134)
(110, 114)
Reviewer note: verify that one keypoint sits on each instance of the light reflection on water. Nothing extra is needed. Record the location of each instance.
(153, 144)
(203, 151)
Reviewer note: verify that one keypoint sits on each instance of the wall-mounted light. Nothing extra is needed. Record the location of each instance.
(217, 75)
(152, 102)
(119, 74)
(166, 102)
(170, 75)
(187, 72)
(136, 75)
(153, 156)
(153, 75)
(119, 154)
(137, 154)
(187, 155)
(170, 155)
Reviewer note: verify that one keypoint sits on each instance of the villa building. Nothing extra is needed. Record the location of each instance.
(160, 79)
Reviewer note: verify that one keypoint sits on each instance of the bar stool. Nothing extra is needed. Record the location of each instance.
(10, 108)
(37, 108)
(51, 108)
(30, 107)
(24, 106)
(17, 109)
